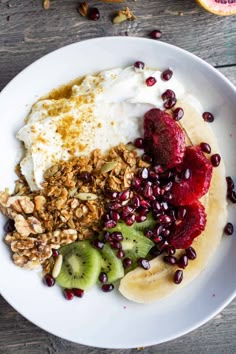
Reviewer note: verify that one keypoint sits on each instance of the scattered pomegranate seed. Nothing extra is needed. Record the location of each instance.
(115, 245)
(139, 65)
(164, 219)
(178, 276)
(94, 14)
(215, 160)
(107, 236)
(229, 229)
(144, 263)
(191, 253)
(155, 34)
(170, 250)
(178, 113)
(78, 292)
(181, 213)
(138, 143)
(140, 218)
(84, 176)
(230, 183)
(170, 260)
(117, 236)
(232, 196)
(136, 183)
(168, 94)
(156, 205)
(107, 288)
(124, 195)
(144, 173)
(165, 233)
(187, 174)
(167, 75)
(135, 201)
(208, 117)
(148, 233)
(183, 261)
(109, 224)
(9, 226)
(120, 254)
(144, 204)
(49, 280)
(130, 220)
(55, 253)
(170, 103)
(147, 192)
(127, 262)
(150, 81)
(205, 148)
(103, 277)
(98, 244)
(69, 295)
(156, 190)
(147, 158)
(114, 215)
(157, 239)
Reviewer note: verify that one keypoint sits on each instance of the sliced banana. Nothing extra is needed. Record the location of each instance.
(150, 285)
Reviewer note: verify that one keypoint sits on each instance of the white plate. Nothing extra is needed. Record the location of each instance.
(109, 320)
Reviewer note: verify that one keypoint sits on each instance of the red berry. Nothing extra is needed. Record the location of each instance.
(150, 81)
(159, 127)
(69, 294)
(78, 292)
(167, 75)
(188, 190)
(183, 233)
(208, 117)
(94, 14)
(155, 34)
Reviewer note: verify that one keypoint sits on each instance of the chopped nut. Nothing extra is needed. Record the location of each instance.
(39, 201)
(46, 4)
(83, 9)
(87, 196)
(123, 15)
(27, 226)
(21, 204)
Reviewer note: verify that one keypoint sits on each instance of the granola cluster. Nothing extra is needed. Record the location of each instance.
(69, 206)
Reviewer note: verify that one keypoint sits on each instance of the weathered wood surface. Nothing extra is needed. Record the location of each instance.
(26, 33)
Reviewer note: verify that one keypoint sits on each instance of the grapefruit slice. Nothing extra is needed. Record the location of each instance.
(219, 7)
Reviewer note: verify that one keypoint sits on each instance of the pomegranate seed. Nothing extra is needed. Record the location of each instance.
(191, 253)
(114, 206)
(144, 204)
(107, 288)
(164, 206)
(150, 81)
(135, 201)
(84, 176)
(55, 253)
(117, 236)
(170, 102)
(155, 34)
(165, 233)
(157, 239)
(94, 14)
(147, 158)
(230, 183)
(205, 148)
(144, 263)
(186, 174)
(168, 186)
(116, 245)
(98, 244)
(156, 190)
(109, 224)
(127, 210)
(107, 236)
(136, 183)
(153, 176)
(181, 213)
(138, 143)
(232, 196)
(229, 229)
(78, 292)
(130, 220)
(147, 192)
(156, 205)
(9, 226)
(170, 250)
(49, 280)
(208, 117)
(168, 94)
(148, 233)
(178, 113)
(183, 261)
(178, 276)
(158, 169)
(167, 75)
(120, 254)
(69, 295)
(140, 218)
(164, 219)
(124, 195)
(114, 215)
(170, 260)
(103, 278)
(158, 230)
(127, 262)
(215, 160)
(139, 65)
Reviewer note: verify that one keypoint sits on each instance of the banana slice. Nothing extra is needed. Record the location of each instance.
(150, 285)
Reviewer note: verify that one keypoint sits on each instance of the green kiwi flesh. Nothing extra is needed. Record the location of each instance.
(110, 264)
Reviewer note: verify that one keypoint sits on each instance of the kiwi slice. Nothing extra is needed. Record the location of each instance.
(149, 223)
(81, 266)
(110, 264)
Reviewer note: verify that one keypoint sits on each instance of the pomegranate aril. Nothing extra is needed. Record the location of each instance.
(139, 65)
(109, 224)
(9, 226)
(183, 261)
(144, 173)
(114, 215)
(170, 250)
(191, 253)
(167, 75)
(158, 230)
(147, 191)
(140, 218)
(168, 94)
(103, 277)
(205, 148)
(156, 205)
(157, 239)
(49, 280)
(178, 113)
(127, 262)
(232, 196)
(164, 219)
(129, 220)
(165, 233)
(230, 183)
(150, 81)
(155, 34)
(215, 160)
(158, 169)
(156, 190)
(55, 253)
(153, 176)
(117, 236)
(164, 206)
(229, 229)
(147, 158)
(148, 233)
(111, 194)
(136, 183)
(120, 254)
(170, 260)
(144, 204)
(69, 295)
(170, 103)
(168, 186)
(94, 14)
(124, 195)
(186, 174)
(138, 143)
(144, 263)
(84, 176)
(78, 292)
(98, 244)
(107, 236)
(107, 288)
(181, 213)
(208, 117)
(127, 210)
(115, 245)
(178, 276)
(114, 206)
(135, 201)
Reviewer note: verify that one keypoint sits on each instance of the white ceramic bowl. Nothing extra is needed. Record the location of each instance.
(109, 320)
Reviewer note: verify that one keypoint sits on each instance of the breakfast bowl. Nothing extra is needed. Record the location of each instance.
(103, 319)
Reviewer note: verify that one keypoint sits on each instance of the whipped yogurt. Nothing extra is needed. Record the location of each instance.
(103, 111)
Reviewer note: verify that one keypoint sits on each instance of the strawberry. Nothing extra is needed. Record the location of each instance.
(196, 174)
(164, 140)
(184, 232)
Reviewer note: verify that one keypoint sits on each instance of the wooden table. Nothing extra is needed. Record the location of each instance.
(27, 32)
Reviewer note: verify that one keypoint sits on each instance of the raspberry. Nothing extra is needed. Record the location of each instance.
(186, 191)
(183, 233)
(164, 140)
